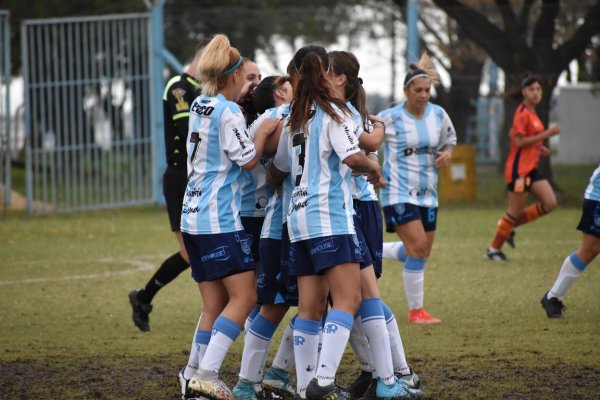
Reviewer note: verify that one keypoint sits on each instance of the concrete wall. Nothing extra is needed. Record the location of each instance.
(578, 113)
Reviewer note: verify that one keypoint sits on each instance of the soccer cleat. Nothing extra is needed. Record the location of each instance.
(495, 255)
(245, 390)
(511, 240)
(208, 384)
(140, 311)
(277, 380)
(360, 385)
(553, 306)
(186, 394)
(411, 379)
(421, 317)
(396, 390)
(314, 391)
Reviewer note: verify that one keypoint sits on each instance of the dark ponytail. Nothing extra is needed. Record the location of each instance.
(312, 86)
(346, 63)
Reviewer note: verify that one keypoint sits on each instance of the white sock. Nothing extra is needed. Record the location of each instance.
(306, 352)
(199, 345)
(374, 326)
(224, 334)
(572, 267)
(398, 356)
(284, 358)
(335, 337)
(250, 318)
(394, 251)
(414, 276)
(357, 342)
(256, 348)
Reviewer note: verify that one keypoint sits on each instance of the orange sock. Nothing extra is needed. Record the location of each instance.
(531, 213)
(505, 227)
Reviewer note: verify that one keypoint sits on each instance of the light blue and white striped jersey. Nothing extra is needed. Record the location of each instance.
(217, 146)
(321, 203)
(281, 161)
(410, 149)
(253, 184)
(592, 192)
(360, 188)
(272, 226)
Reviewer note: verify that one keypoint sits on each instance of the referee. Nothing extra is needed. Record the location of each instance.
(179, 94)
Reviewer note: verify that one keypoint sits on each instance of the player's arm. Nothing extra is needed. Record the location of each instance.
(370, 141)
(524, 141)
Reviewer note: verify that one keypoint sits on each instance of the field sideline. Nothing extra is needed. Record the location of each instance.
(66, 332)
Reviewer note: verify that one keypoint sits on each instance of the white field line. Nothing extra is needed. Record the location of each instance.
(139, 266)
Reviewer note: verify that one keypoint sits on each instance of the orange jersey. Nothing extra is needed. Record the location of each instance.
(523, 160)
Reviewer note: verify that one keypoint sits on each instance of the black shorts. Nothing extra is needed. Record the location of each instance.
(174, 184)
(253, 227)
(590, 218)
(523, 184)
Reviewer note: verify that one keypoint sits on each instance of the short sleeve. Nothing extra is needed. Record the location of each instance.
(343, 140)
(281, 160)
(236, 142)
(447, 133)
(520, 122)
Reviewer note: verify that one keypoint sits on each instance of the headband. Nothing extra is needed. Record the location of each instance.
(419, 73)
(233, 68)
(527, 80)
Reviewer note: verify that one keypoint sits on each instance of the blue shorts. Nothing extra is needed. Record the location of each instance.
(288, 284)
(268, 288)
(371, 225)
(590, 218)
(367, 260)
(314, 256)
(253, 226)
(217, 256)
(401, 213)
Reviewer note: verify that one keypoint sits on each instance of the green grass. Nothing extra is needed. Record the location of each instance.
(66, 332)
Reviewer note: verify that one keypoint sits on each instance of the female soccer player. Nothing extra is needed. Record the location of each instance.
(373, 312)
(520, 172)
(589, 248)
(419, 139)
(318, 150)
(270, 99)
(218, 147)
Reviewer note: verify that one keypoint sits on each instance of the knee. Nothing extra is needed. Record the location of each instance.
(420, 249)
(549, 205)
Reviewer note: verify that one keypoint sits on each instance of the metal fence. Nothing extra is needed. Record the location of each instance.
(87, 84)
(5, 150)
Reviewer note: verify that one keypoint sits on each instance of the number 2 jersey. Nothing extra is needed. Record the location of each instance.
(321, 201)
(217, 147)
(411, 147)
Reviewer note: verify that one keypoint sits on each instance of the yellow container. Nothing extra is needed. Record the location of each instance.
(457, 182)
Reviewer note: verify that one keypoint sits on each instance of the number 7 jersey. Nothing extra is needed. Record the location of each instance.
(217, 146)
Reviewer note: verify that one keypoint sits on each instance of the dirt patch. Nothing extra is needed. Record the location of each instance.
(156, 378)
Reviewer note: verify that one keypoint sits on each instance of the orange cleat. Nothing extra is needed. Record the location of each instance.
(422, 317)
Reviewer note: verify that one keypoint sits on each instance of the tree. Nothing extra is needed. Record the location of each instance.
(525, 39)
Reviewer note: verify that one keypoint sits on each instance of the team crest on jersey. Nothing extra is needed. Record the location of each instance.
(181, 104)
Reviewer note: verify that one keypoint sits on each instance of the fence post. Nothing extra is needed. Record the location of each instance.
(6, 146)
(157, 86)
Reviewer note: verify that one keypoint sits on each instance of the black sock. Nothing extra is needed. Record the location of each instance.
(169, 270)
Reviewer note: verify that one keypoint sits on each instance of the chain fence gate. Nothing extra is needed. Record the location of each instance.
(87, 84)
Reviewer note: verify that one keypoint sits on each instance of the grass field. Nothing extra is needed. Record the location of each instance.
(66, 331)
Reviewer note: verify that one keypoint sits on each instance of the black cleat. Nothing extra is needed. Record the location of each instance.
(360, 385)
(330, 392)
(495, 255)
(140, 311)
(553, 306)
(511, 240)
